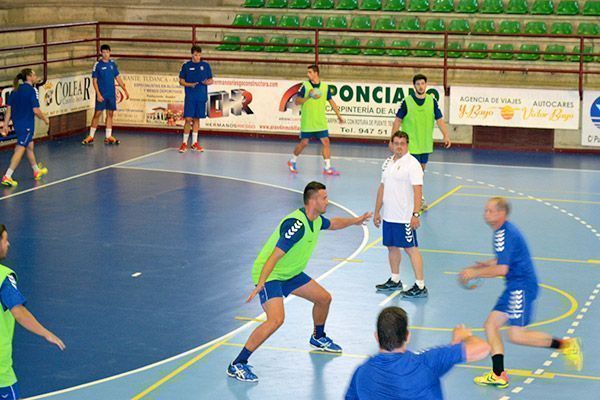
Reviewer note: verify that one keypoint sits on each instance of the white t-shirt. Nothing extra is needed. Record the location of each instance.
(398, 178)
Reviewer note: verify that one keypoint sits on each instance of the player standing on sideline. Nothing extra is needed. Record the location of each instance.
(13, 308)
(195, 76)
(515, 304)
(104, 74)
(313, 97)
(23, 106)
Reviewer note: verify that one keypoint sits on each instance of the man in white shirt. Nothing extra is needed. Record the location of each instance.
(398, 204)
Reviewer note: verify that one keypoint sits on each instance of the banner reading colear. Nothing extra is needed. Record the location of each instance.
(261, 105)
(65, 95)
(516, 107)
(590, 119)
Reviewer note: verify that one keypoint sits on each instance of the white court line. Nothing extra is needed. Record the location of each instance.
(234, 332)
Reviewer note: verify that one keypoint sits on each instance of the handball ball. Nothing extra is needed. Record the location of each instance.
(471, 283)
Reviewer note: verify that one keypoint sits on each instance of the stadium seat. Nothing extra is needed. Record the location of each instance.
(425, 49)
(517, 7)
(459, 25)
(375, 43)
(231, 44)
(259, 40)
(410, 24)
(289, 21)
(299, 4)
(276, 4)
(385, 24)
(529, 57)
(467, 6)
(393, 5)
(370, 5)
(588, 28)
(360, 22)
(337, 22)
(586, 50)
(567, 7)
(435, 25)
(418, 5)
(350, 47)
(510, 27)
(555, 48)
(536, 27)
(401, 52)
(484, 26)
(327, 42)
(275, 44)
(591, 7)
(542, 7)
(453, 54)
(504, 51)
(347, 5)
(254, 3)
(562, 28)
(492, 7)
(301, 49)
(243, 20)
(266, 21)
(475, 51)
(313, 21)
(442, 6)
(323, 4)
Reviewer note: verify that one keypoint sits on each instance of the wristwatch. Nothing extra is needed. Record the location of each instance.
(416, 215)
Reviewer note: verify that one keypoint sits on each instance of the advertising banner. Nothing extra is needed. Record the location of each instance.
(65, 95)
(590, 119)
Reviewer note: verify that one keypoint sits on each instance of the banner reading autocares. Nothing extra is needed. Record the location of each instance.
(515, 107)
(261, 105)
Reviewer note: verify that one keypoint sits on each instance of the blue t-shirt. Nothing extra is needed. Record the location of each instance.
(22, 102)
(511, 249)
(405, 376)
(10, 296)
(196, 72)
(292, 230)
(403, 110)
(105, 73)
(301, 92)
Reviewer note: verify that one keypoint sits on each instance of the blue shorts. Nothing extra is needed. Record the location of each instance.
(194, 108)
(316, 135)
(109, 104)
(399, 235)
(422, 158)
(24, 135)
(10, 392)
(282, 288)
(517, 303)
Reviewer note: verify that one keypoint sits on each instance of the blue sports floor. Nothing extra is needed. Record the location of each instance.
(139, 258)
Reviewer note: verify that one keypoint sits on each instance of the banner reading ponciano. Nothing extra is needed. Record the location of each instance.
(514, 107)
(261, 105)
(590, 119)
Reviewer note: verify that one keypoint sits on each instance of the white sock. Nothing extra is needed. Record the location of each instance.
(108, 133)
(92, 132)
(194, 137)
(396, 278)
(35, 168)
(420, 284)
(9, 173)
(186, 136)
(327, 164)
(294, 158)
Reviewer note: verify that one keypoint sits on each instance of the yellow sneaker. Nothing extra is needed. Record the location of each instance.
(573, 354)
(42, 171)
(491, 379)
(6, 181)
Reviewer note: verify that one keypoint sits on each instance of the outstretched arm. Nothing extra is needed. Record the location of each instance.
(29, 322)
(341, 223)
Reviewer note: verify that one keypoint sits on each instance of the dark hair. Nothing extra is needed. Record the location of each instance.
(418, 77)
(105, 47)
(196, 49)
(312, 188)
(21, 77)
(399, 134)
(2, 229)
(314, 67)
(392, 328)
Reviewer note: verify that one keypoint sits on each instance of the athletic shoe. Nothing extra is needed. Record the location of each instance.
(325, 344)
(183, 148)
(491, 379)
(6, 181)
(292, 167)
(390, 285)
(88, 140)
(330, 171)
(111, 140)
(197, 147)
(241, 372)
(573, 354)
(41, 172)
(414, 292)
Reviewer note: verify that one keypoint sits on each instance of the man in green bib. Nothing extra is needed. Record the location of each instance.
(13, 309)
(313, 97)
(278, 271)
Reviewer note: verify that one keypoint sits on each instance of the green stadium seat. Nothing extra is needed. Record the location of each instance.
(370, 5)
(586, 50)
(517, 7)
(361, 22)
(254, 3)
(536, 27)
(567, 7)
(254, 47)
(459, 25)
(299, 4)
(562, 28)
(323, 4)
(467, 6)
(401, 51)
(492, 7)
(425, 49)
(231, 44)
(275, 44)
(591, 7)
(555, 48)
(542, 7)
(511, 27)
(385, 24)
(484, 26)
(266, 21)
(504, 51)
(442, 6)
(313, 21)
(435, 25)
(243, 20)
(393, 5)
(289, 21)
(410, 24)
(588, 28)
(301, 49)
(375, 43)
(418, 5)
(350, 47)
(475, 51)
(347, 5)
(453, 54)
(327, 42)
(529, 57)
(276, 4)
(337, 22)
